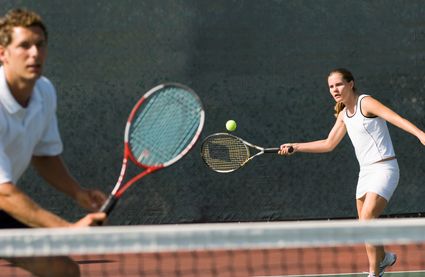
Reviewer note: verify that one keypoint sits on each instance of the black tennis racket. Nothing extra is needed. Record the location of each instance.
(224, 153)
(162, 127)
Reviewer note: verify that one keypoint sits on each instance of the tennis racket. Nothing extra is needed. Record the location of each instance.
(162, 127)
(224, 153)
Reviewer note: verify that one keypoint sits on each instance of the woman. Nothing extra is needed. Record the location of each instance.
(364, 118)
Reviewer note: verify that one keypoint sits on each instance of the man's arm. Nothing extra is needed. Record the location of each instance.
(55, 172)
(16, 203)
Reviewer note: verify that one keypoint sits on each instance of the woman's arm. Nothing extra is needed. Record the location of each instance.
(335, 136)
(372, 107)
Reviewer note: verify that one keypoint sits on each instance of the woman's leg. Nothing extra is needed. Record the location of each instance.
(371, 206)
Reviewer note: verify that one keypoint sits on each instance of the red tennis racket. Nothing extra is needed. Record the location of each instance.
(162, 127)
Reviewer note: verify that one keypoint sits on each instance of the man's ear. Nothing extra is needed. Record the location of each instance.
(2, 54)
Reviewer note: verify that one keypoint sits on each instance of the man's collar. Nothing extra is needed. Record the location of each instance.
(6, 97)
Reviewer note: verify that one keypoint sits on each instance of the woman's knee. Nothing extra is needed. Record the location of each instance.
(372, 207)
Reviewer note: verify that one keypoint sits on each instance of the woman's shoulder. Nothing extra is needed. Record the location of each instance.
(343, 114)
(364, 98)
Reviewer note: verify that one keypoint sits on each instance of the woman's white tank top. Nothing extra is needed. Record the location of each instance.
(369, 135)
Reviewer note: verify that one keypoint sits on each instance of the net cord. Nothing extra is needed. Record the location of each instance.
(138, 239)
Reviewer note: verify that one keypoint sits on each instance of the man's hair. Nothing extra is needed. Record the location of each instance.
(18, 18)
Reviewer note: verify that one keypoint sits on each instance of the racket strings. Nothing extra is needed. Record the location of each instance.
(224, 153)
(160, 131)
(165, 126)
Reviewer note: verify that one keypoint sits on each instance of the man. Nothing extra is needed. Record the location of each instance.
(28, 127)
(29, 135)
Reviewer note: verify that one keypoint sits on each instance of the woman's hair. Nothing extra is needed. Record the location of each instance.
(348, 77)
(18, 18)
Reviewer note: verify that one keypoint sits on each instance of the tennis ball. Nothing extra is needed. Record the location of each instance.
(231, 125)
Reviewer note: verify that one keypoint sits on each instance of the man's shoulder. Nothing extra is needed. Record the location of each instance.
(45, 84)
(46, 89)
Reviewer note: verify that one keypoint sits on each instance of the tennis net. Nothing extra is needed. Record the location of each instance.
(227, 249)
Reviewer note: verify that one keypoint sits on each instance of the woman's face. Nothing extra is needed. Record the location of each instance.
(339, 88)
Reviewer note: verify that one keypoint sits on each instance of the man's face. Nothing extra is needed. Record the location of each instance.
(24, 57)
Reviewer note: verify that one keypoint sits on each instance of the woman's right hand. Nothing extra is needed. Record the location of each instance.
(286, 149)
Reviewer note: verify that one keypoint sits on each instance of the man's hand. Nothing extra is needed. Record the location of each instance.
(90, 199)
(93, 219)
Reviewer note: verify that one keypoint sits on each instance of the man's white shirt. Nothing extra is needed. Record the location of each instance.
(26, 132)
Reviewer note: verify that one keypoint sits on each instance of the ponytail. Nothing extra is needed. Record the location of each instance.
(348, 77)
(338, 108)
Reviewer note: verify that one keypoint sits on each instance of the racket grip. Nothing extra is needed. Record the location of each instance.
(109, 204)
(275, 150)
(271, 150)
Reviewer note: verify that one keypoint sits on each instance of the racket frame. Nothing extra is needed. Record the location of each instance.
(261, 150)
(119, 188)
(248, 145)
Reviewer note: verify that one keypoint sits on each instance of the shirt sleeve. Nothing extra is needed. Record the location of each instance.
(6, 173)
(50, 143)
(5, 167)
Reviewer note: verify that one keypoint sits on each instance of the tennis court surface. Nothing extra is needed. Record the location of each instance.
(307, 248)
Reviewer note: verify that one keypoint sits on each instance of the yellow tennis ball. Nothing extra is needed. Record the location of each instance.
(231, 125)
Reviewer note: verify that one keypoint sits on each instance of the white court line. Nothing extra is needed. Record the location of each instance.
(342, 274)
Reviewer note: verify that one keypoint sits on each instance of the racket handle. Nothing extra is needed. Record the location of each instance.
(271, 150)
(275, 150)
(109, 204)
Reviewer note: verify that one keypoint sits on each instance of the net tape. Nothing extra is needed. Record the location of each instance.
(187, 237)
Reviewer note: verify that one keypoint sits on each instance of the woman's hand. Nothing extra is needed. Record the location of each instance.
(286, 149)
